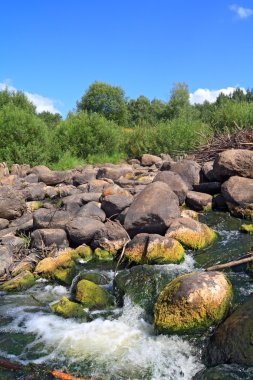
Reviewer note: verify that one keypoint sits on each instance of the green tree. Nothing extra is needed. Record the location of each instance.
(50, 119)
(106, 100)
(17, 99)
(179, 100)
(139, 111)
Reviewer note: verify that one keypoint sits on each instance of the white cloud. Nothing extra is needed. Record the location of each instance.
(41, 103)
(241, 12)
(202, 94)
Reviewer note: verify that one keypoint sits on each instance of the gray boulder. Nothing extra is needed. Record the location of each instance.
(175, 182)
(81, 230)
(12, 204)
(234, 162)
(49, 237)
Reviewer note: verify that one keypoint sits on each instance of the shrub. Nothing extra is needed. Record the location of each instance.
(231, 114)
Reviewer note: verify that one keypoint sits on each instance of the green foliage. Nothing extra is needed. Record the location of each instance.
(50, 119)
(17, 99)
(179, 101)
(106, 100)
(24, 137)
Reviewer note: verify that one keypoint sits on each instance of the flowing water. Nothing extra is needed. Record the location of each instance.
(121, 344)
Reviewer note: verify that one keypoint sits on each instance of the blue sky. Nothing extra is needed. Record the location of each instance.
(54, 49)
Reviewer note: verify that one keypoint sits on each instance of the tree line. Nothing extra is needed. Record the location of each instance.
(107, 126)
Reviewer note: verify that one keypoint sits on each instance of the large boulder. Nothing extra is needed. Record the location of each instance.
(49, 237)
(150, 159)
(207, 171)
(114, 204)
(44, 218)
(238, 194)
(82, 230)
(175, 182)
(191, 233)
(92, 296)
(6, 259)
(111, 238)
(233, 162)
(154, 249)
(188, 170)
(12, 204)
(232, 341)
(50, 177)
(152, 210)
(68, 309)
(193, 302)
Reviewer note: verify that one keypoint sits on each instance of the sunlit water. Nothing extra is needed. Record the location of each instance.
(123, 345)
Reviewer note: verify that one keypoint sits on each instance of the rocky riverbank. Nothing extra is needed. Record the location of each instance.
(55, 225)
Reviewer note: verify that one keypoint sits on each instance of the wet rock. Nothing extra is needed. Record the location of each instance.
(175, 182)
(49, 237)
(232, 341)
(12, 204)
(238, 194)
(52, 178)
(111, 237)
(193, 302)
(199, 201)
(149, 160)
(188, 170)
(68, 309)
(191, 233)
(234, 162)
(152, 210)
(114, 204)
(82, 230)
(225, 372)
(22, 281)
(92, 296)
(154, 249)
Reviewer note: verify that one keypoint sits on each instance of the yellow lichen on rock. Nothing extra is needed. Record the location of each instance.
(22, 281)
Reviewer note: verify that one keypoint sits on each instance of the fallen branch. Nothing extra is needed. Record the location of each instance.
(244, 259)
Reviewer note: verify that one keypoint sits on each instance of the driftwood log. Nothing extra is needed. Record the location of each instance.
(242, 260)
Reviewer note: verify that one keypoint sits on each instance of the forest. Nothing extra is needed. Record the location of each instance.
(107, 126)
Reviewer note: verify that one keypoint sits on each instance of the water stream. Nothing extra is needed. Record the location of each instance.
(122, 344)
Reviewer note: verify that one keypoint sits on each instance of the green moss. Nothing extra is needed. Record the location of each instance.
(22, 281)
(84, 253)
(208, 207)
(92, 296)
(162, 254)
(178, 315)
(68, 309)
(103, 255)
(195, 239)
(65, 275)
(248, 228)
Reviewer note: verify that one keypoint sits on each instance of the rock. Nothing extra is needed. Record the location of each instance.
(68, 309)
(232, 341)
(20, 170)
(193, 302)
(23, 224)
(92, 296)
(224, 372)
(6, 259)
(82, 230)
(63, 190)
(207, 170)
(189, 214)
(238, 194)
(198, 201)
(31, 178)
(4, 223)
(248, 228)
(96, 277)
(12, 205)
(114, 171)
(114, 189)
(84, 177)
(152, 210)
(208, 188)
(97, 186)
(175, 182)
(219, 203)
(34, 192)
(49, 237)
(188, 170)
(33, 206)
(101, 254)
(44, 218)
(15, 244)
(191, 233)
(50, 177)
(22, 281)
(149, 160)
(4, 171)
(233, 162)
(81, 199)
(28, 263)
(92, 210)
(134, 161)
(110, 238)
(154, 249)
(114, 204)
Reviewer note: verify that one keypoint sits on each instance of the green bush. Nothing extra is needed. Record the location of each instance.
(86, 136)
(24, 138)
(172, 136)
(231, 114)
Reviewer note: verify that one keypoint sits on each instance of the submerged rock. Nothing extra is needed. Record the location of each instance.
(154, 249)
(193, 302)
(92, 296)
(191, 233)
(68, 309)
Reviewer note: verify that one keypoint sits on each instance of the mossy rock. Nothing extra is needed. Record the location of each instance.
(103, 255)
(154, 249)
(83, 254)
(33, 205)
(92, 296)
(191, 233)
(96, 277)
(22, 281)
(68, 309)
(193, 302)
(248, 228)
